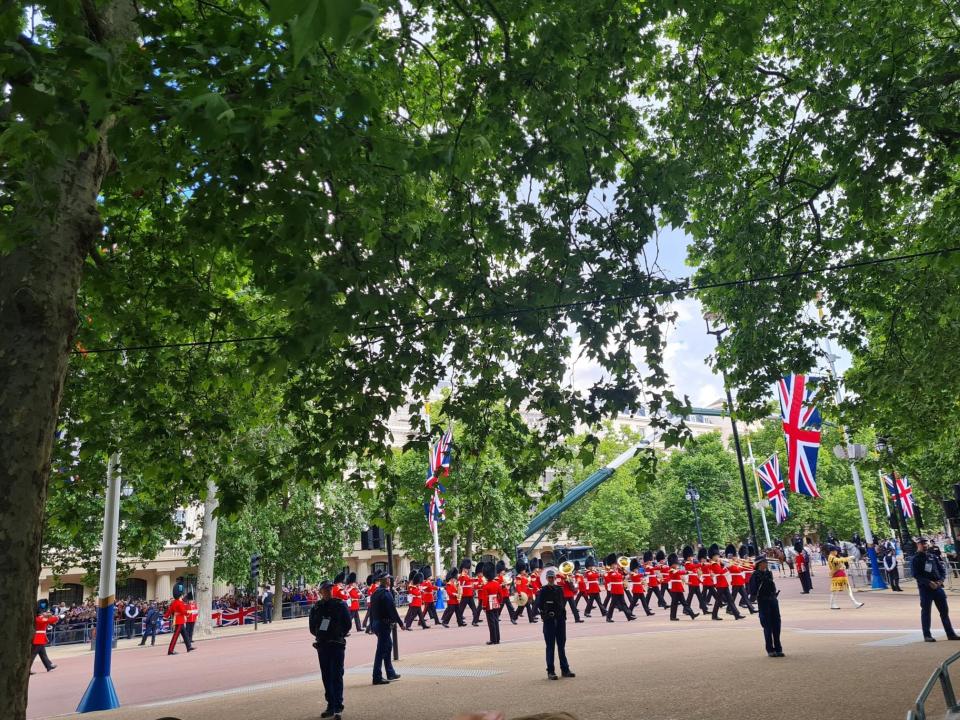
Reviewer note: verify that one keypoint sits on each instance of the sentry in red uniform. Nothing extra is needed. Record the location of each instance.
(40, 625)
(179, 611)
(613, 579)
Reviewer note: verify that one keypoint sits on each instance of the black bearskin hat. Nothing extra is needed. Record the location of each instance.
(415, 577)
(369, 579)
(42, 606)
(426, 572)
(576, 566)
(634, 564)
(340, 578)
(742, 552)
(648, 556)
(451, 574)
(466, 564)
(177, 591)
(501, 566)
(661, 555)
(713, 551)
(702, 554)
(687, 552)
(188, 597)
(351, 578)
(672, 559)
(798, 546)
(489, 571)
(610, 559)
(590, 562)
(751, 550)
(730, 550)
(522, 566)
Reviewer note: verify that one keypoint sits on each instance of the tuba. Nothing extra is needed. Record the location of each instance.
(566, 567)
(624, 562)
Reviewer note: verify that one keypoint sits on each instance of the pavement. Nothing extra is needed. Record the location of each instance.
(864, 663)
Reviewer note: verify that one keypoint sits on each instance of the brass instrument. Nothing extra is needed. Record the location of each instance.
(624, 562)
(566, 567)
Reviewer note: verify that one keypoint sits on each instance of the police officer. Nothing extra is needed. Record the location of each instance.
(930, 575)
(383, 616)
(150, 621)
(764, 591)
(329, 624)
(550, 605)
(132, 612)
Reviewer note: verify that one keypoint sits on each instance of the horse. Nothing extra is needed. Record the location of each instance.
(776, 555)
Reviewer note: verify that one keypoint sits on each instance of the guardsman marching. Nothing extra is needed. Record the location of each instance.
(706, 580)
(638, 592)
(505, 592)
(41, 622)
(178, 610)
(675, 586)
(415, 610)
(525, 594)
(721, 587)
(738, 582)
(468, 592)
(353, 600)
(490, 597)
(614, 580)
(453, 590)
(428, 594)
(764, 590)
(568, 585)
(193, 612)
(692, 568)
(370, 590)
(591, 580)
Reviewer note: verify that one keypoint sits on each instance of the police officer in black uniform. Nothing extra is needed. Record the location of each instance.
(930, 576)
(551, 607)
(764, 591)
(329, 624)
(383, 616)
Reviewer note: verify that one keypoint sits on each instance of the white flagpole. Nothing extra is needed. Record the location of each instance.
(760, 505)
(434, 522)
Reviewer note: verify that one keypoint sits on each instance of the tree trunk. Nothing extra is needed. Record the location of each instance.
(454, 543)
(208, 554)
(468, 543)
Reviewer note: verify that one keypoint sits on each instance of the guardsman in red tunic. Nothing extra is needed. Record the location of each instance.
(675, 585)
(692, 567)
(178, 609)
(41, 622)
(638, 593)
(370, 590)
(468, 593)
(428, 591)
(193, 612)
(339, 591)
(721, 587)
(452, 588)
(490, 596)
(568, 583)
(739, 578)
(415, 611)
(616, 589)
(706, 578)
(353, 600)
(525, 596)
(650, 573)
(591, 580)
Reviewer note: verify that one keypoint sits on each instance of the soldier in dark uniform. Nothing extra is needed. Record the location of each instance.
(764, 591)
(329, 624)
(930, 575)
(550, 605)
(383, 616)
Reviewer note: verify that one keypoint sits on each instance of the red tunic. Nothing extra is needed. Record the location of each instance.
(581, 584)
(523, 585)
(371, 589)
(651, 571)
(707, 570)
(354, 598)
(565, 586)
(427, 592)
(592, 578)
(337, 592)
(193, 612)
(452, 593)
(504, 588)
(800, 562)
(466, 582)
(693, 573)
(737, 577)
(719, 575)
(636, 582)
(490, 594)
(676, 579)
(40, 625)
(414, 592)
(179, 611)
(614, 582)
(535, 583)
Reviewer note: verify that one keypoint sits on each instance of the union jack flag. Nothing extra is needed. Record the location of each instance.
(440, 461)
(901, 492)
(435, 509)
(233, 616)
(776, 491)
(801, 430)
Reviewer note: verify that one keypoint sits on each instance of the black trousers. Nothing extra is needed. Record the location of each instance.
(741, 592)
(188, 631)
(555, 636)
(128, 625)
(640, 597)
(330, 656)
(591, 599)
(493, 625)
(723, 597)
(529, 608)
(470, 602)
(382, 659)
(366, 618)
(677, 600)
(617, 602)
(658, 591)
(770, 621)
(709, 595)
(177, 632)
(151, 631)
(41, 650)
(930, 597)
(414, 613)
(355, 614)
(893, 577)
(505, 603)
(452, 611)
(431, 610)
(694, 592)
(572, 602)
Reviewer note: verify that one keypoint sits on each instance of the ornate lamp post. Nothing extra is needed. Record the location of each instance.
(694, 496)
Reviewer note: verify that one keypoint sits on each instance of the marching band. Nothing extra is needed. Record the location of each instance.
(703, 577)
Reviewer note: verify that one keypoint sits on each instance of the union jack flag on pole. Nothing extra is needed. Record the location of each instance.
(776, 491)
(440, 461)
(801, 430)
(901, 493)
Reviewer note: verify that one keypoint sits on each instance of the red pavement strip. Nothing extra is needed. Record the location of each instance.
(147, 675)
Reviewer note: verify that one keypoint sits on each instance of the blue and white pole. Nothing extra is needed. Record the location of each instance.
(100, 694)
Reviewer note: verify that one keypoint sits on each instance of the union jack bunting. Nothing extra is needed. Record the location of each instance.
(801, 430)
(440, 461)
(774, 488)
(435, 510)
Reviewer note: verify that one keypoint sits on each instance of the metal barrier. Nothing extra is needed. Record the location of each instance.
(941, 675)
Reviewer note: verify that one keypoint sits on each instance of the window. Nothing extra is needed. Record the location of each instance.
(71, 594)
(372, 538)
(378, 567)
(180, 517)
(133, 588)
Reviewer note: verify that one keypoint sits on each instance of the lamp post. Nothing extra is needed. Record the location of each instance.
(718, 333)
(693, 496)
(906, 541)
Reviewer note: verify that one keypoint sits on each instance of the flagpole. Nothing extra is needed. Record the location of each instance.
(760, 505)
(437, 569)
(878, 583)
(883, 492)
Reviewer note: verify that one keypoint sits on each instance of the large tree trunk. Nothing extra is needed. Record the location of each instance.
(468, 543)
(454, 556)
(39, 281)
(208, 554)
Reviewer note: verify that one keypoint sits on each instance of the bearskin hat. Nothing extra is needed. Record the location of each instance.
(370, 580)
(576, 566)
(661, 555)
(351, 578)
(702, 554)
(414, 577)
(340, 577)
(713, 551)
(672, 559)
(742, 552)
(522, 566)
(501, 566)
(687, 552)
(590, 562)
(798, 546)
(751, 550)
(466, 564)
(177, 591)
(634, 564)
(730, 550)
(489, 571)
(648, 556)
(451, 574)
(610, 559)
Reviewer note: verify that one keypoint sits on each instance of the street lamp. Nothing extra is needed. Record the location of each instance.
(907, 544)
(718, 333)
(693, 496)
